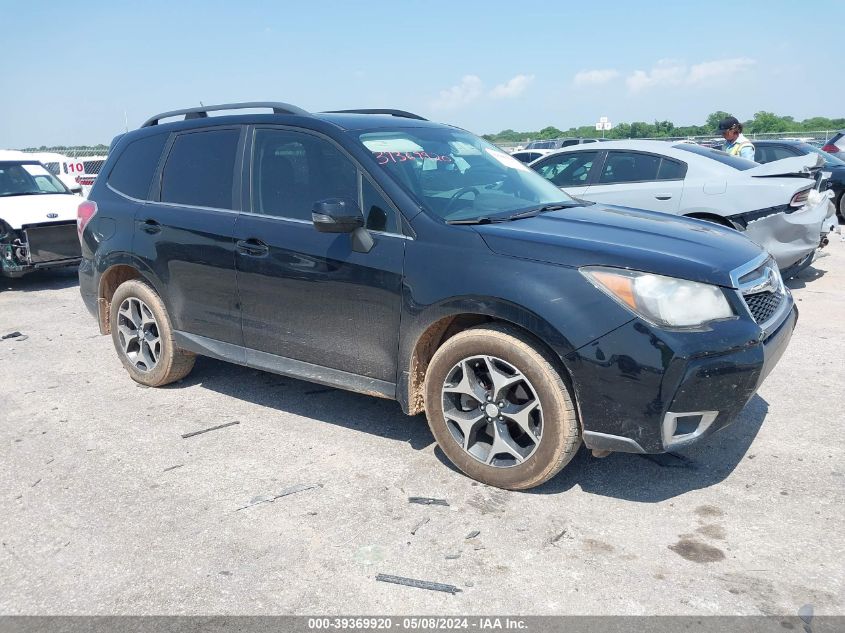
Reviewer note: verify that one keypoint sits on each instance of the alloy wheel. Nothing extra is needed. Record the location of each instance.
(139, 334)
(492, 411)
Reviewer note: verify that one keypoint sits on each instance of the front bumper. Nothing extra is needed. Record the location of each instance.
(644, 390)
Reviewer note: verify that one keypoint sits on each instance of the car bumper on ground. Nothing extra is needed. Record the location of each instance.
(642, 390)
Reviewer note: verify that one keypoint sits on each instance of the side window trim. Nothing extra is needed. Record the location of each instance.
(155, 189)
(248, 167)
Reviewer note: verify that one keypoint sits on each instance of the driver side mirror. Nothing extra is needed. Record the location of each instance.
(336, 215)
(341, 215)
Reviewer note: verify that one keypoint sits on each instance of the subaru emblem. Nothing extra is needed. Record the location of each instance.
(52, 215)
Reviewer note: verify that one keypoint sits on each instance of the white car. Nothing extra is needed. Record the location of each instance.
(91, 168)
(37, 218)
(781, 205)
(62, 167)
(530, 155)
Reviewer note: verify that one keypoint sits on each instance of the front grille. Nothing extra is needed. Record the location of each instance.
(763, 305)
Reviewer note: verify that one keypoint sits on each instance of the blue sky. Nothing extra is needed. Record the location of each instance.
(74, 68)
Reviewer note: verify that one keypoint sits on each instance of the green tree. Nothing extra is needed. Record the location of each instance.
(712, 120)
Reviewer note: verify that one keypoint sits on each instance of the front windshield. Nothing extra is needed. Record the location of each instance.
(28, 179)
(829, 160)
(458, 176)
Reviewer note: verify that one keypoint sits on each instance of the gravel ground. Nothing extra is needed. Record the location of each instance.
(106, 509)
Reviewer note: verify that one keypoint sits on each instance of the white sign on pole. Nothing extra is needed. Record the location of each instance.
(603, 119)
(607, 125)
(599, 126)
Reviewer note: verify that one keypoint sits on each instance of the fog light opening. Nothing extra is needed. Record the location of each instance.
(684, 427)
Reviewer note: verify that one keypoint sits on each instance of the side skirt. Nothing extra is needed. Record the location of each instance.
(232, 353)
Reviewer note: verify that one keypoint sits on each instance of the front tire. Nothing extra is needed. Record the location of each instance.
(498, 408)
(143, 336)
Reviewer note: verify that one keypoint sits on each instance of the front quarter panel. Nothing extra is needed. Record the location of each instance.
(460, 275)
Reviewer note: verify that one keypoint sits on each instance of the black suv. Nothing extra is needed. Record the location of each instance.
(375, 251)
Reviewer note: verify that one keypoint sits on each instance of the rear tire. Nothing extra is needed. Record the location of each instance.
(533, 447)
(143, 336)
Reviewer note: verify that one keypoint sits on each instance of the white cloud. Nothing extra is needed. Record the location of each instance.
(669, 72)
(464, 93)
(721, 68)
(512, 88)
(588, 77)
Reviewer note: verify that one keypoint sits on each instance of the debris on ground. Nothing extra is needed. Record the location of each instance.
(472, 534)
(14, 335)
(35, 484)
(419, 525)
(557, 537)
(452, 556)
(428, 501)
(284, 493)
(419, 584)
(213, 428)
(172, 467)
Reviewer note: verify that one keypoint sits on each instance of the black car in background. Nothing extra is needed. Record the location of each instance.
(768, 151)
(379, 252)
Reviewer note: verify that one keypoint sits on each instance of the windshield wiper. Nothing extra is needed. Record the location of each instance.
(530, 213)
(482, 220)
(23, 193)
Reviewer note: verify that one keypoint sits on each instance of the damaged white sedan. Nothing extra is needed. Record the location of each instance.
(782, 205)
(37, 218)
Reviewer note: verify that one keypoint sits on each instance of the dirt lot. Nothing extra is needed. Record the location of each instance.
(105, 508)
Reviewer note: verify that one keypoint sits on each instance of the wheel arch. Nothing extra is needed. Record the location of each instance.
(431, 333)
(119, 268)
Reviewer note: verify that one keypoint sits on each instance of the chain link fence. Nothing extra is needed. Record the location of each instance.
(818, 137)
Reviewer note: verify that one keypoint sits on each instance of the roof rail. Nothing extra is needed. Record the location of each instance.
(202, 111)
(399, 113)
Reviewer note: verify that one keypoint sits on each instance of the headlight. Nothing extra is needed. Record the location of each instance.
(663, 301)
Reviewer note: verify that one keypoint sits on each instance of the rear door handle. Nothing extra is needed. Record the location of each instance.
(663, 196)
(253, 247)
(150, 226)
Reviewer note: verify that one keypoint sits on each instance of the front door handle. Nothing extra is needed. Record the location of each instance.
(253, 247)
(663, 196)
(151, 226)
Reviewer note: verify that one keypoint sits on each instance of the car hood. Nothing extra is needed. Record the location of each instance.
(18, 211)
(604, 235)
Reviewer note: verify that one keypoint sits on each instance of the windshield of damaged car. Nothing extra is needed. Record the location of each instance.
(28, 179)
(718, 155)
(458, 176)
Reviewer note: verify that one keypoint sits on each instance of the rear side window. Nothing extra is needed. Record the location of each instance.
(671, 170)
(134, 169)
(629, 167)
(200, 169)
